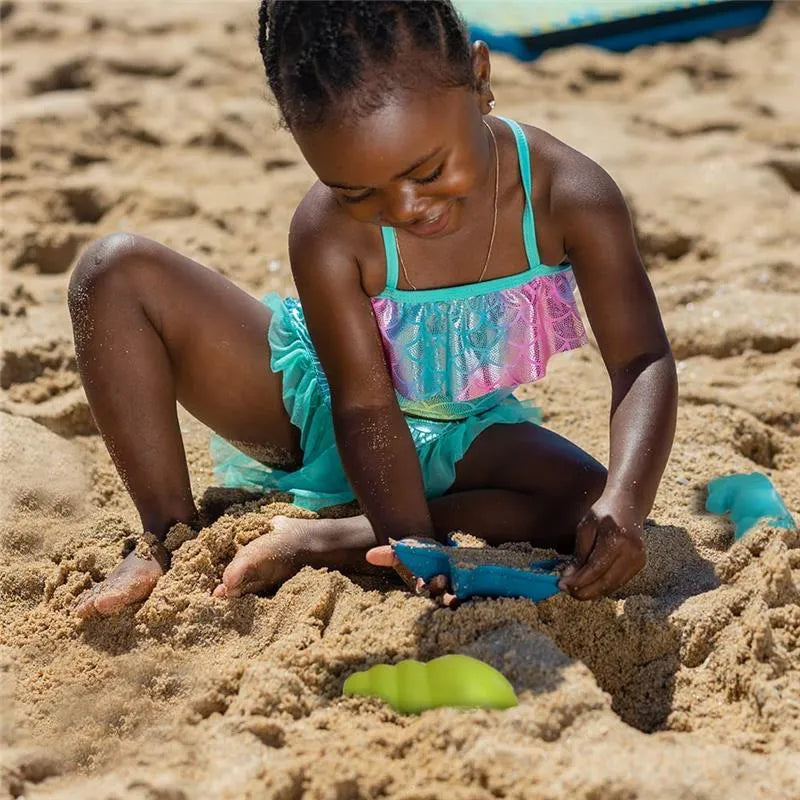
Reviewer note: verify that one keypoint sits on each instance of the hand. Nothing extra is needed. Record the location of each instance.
(438, 587)
(609, 551)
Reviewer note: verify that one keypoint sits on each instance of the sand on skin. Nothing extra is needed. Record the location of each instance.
(151, 117)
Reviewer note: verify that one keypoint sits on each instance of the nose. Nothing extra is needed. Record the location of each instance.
(402, 207)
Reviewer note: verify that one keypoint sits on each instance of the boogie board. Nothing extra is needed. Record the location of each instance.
(526, 28)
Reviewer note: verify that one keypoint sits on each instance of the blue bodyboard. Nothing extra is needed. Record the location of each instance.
(526, 28)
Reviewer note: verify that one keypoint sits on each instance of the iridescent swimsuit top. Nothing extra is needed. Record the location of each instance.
(460, 350)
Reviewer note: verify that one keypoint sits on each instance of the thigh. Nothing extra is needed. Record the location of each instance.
(216, 338)
(530, 459)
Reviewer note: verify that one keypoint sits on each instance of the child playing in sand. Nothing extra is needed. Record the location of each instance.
(433, 261)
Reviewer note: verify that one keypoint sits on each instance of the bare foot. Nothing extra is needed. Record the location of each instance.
(130, 582)
(295, 543)
(269, 560)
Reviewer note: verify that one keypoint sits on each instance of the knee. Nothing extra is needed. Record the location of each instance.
(590, 483)
(106, 262)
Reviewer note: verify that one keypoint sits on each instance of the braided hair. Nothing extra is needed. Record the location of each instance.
(354, 55)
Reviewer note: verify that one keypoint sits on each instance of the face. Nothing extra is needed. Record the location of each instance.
(414, 164)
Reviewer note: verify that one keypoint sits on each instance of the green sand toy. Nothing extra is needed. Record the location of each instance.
(453, 680)
(748, 499)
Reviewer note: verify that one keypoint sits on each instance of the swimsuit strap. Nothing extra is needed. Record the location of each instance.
(528, 226)
(390, 248)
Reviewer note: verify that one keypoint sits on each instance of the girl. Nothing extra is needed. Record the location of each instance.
(432, 262)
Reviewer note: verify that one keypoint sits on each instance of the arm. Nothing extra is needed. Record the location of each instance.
(624, 316)
(374, 442)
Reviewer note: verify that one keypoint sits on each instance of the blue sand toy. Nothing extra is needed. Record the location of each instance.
(748, 499)
(538, 582)
(526, 28)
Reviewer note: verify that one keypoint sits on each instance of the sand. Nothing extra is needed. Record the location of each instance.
(152, 117)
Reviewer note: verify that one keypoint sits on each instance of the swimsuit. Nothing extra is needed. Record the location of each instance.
(455, 355)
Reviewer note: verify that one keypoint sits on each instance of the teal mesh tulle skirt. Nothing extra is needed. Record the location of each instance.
(320, 481)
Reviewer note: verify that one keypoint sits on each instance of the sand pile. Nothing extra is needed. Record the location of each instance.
(151, 117)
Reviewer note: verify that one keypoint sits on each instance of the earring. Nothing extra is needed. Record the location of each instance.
(491, 105)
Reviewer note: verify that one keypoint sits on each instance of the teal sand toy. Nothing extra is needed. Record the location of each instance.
(538, 581)
(748, 499)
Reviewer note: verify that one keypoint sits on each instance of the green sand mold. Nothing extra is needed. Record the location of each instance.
(454, 680)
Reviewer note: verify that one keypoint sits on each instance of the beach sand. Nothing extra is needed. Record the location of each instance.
(153, 117)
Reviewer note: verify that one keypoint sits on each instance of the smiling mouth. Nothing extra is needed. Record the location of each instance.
(431, 220)
(432, 225)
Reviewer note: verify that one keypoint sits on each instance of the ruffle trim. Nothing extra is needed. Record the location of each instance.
(321, 481)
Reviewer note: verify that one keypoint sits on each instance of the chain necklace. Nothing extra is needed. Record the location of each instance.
(494, 219)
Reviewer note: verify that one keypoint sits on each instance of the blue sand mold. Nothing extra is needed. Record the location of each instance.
(538, 582)
(748, 499)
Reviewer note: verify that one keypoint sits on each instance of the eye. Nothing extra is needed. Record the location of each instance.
(435, 175)
(347, 198)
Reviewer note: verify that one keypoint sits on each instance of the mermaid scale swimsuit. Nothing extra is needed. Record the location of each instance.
(455, 355)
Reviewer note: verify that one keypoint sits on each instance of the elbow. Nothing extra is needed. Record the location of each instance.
(660, 358)
(654, 371)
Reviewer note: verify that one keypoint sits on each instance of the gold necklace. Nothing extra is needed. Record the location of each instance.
(494, 220)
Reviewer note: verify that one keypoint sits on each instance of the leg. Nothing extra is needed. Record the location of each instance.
(521, 483)
(539, 487)
(153, 327)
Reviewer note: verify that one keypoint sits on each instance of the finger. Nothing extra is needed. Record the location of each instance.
(438, 585)
(585, 539)
(450, 600)
(599, 564)
(602, 557)
(382, 556)
(220, 591)
(629, 564)
(434, 587)
(608, 583)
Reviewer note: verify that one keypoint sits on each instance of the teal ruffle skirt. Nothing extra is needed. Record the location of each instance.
(321, 481)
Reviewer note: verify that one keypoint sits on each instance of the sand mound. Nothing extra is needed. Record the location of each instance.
(151, 117)
(40, 470)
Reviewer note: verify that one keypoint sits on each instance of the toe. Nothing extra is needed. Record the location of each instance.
(118, 595)
(256, 567)
(232, 578)
(110, 602)
(246, 581)
(84, 608)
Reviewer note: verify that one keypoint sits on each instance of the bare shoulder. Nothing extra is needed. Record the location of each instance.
(316, 228)
(324, 239)
(572, 184)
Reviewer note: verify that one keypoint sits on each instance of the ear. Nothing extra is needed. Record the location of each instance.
(481, 70)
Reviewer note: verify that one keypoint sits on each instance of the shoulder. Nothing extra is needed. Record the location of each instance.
(324, 239)
(576, 190)
(319, 226)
